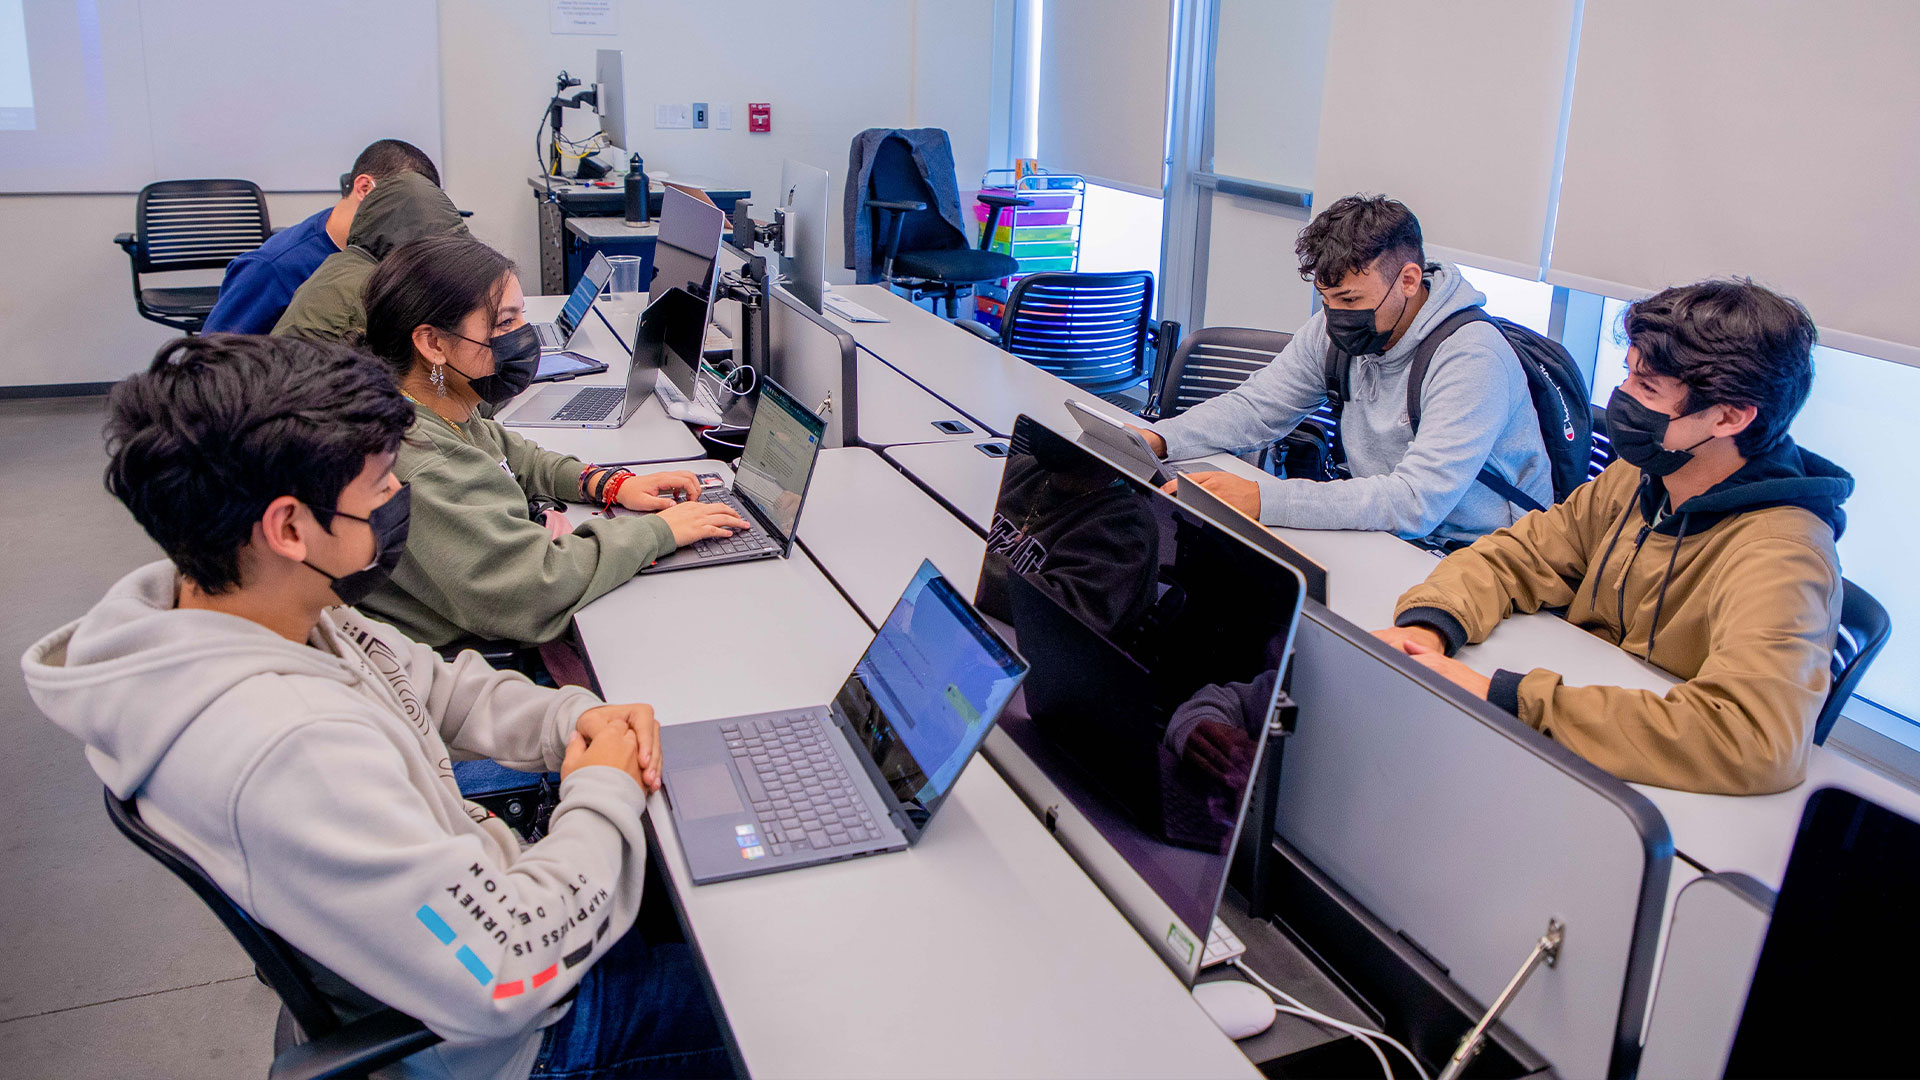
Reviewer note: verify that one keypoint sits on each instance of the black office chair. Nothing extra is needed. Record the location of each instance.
(191, 225)
(919, 251)
(333, 1049)
(1864, 629)
(1096, 331)
(1210, 362)
(1603, 454)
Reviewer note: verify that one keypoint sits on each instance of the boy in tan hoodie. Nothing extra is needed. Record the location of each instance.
(1706, 549)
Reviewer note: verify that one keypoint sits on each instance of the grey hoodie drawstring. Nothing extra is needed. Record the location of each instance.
(1653, 632)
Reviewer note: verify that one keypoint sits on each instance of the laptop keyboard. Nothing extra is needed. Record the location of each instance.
(741, 543)
(593, 403)
(1222, 946)
(798, 786)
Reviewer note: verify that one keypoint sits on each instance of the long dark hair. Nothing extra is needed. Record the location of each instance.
(434, 281)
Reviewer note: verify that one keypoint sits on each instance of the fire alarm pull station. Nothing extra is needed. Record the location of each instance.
(759, 116)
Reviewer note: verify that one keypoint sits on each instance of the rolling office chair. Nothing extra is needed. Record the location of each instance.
(191, 225)
(333, 1049)
(920, 251)
(1210, 362)
(1093, 330)
(1864, 629)
(1603, 454)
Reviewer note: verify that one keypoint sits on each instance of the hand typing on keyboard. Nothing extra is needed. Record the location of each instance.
(693, 521)
(657, 491)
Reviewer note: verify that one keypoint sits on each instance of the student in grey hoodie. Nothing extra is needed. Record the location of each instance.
(1380, 299)
(300, 751)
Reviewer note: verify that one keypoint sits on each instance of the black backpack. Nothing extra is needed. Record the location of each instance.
(1559, 392)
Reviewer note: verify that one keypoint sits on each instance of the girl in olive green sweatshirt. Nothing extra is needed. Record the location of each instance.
(447, 314)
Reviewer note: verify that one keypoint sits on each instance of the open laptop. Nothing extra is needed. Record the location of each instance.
(860, 775)
(769, 485)
(1217, 510)
(662, 328)
(1117, 441)
(558, 335)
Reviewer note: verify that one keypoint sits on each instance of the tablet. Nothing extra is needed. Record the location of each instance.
(561, 366)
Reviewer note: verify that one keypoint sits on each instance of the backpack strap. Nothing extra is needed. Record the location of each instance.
(1417, 381)
(1423, 356)
(1338, 372)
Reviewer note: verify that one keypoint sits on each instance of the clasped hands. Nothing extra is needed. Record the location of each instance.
(626, 737)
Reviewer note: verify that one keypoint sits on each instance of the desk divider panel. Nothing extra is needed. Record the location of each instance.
(1465, 832)
(816, 361)
(1719, 923)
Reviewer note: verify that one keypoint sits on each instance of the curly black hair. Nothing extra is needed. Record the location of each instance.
(1732, 343)
(1353, 235)
(221, 425)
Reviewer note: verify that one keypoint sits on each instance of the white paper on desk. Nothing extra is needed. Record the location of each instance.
(583, 17)
(677, 405)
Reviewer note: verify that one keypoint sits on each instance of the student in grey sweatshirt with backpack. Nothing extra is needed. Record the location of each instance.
(1478, 441)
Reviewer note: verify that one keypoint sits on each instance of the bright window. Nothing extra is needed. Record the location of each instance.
(1120, 230)
(1529, 303)
(1857, 409)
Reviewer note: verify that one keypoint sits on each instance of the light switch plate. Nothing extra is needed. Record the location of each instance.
(723, 118)
(672, 116)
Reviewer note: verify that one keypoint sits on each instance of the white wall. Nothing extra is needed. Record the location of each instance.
(66, 307)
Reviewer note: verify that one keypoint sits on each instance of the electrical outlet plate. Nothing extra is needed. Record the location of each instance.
(699, 114)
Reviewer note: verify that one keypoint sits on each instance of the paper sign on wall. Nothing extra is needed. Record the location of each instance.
(583, 16)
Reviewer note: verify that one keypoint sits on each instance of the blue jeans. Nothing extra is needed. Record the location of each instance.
(640, 1012)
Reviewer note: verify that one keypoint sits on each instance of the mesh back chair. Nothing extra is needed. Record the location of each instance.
(1603, 454)
(1864, 630)
(334, 1049)
(920, 251)
(1210, 362)
(1092, 330)
(191, 225)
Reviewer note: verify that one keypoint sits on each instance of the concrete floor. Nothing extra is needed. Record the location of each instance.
(111, 968)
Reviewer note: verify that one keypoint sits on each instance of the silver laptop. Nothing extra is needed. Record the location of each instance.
(860, 775)
(769, 485)
(1126, 446)
(558, 335)
(604, 406)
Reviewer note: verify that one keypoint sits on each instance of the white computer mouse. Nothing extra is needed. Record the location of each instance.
(1241, 1009)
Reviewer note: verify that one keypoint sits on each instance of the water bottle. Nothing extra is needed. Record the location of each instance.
(637, 192)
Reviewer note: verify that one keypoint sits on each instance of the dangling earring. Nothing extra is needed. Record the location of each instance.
(438, 377)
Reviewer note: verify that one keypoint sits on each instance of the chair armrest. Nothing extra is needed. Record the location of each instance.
(369, 1043)
(127, 242)
(1003, 200)
(900, 206)
(977, 330)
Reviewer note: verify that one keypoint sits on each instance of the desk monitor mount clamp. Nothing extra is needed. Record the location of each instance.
(556, 112)
(1545, 951)
(751, 236)
(752, 286)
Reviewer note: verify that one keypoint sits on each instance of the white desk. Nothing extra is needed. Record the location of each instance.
(969, 372)
(895, 410)
(967, 480)
(982, 951)
(868, 527)
(649, 435)
(613, 227)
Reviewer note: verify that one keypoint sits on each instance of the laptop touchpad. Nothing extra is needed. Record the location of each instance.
(706, 791)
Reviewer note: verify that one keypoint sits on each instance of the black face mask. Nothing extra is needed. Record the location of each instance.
(516, 359)
(1637, 433)
(1353, 331)
(389, 524)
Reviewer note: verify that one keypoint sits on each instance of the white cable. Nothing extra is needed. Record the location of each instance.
(1364, 1034)
(1386, 1069)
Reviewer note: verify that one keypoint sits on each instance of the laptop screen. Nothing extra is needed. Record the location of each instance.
(926, 693)
(778, 459)
(598, 272)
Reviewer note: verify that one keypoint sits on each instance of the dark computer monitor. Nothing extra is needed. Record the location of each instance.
(668, 338)
(1842, 923)
(1156, 640)
(688, 245)
(610, 96)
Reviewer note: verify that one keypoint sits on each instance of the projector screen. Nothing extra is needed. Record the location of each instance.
(111, 95)
(16, 77)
